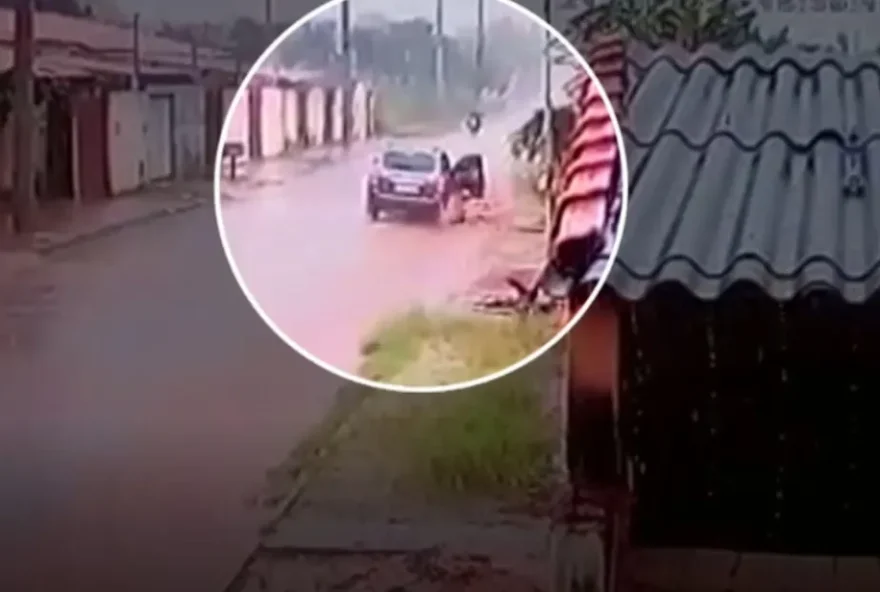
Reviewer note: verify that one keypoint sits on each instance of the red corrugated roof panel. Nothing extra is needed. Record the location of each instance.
(592, 154)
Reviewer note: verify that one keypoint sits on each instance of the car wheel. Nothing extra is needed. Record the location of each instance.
(372, 210)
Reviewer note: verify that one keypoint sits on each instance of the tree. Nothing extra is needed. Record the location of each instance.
(249, 38)
(67, 7)
(688, 23)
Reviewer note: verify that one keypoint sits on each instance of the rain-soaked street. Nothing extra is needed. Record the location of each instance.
(325, 275)
(143, 400)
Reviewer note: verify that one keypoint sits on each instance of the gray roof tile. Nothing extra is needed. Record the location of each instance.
(740, 169)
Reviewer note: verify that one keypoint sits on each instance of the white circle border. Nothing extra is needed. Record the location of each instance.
(440, 389)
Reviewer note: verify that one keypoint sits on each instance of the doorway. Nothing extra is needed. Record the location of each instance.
(58, 183)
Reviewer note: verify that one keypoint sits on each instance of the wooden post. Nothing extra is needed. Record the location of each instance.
(24, 202)
(594, 453)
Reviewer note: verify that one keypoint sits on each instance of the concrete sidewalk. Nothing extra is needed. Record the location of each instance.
(353, 517)
(65, 225)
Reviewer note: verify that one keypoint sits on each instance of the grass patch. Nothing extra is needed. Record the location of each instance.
(423, 349)
(493, 441)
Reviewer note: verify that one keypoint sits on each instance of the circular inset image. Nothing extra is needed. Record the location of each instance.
(409, 199)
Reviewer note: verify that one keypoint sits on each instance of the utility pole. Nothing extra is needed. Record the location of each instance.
(548, 83)
(480, 46)
(549, 139)
(550, 154)
(267, 14)
(136, 52)
(344, 50)
(439, 57)
(24, 202)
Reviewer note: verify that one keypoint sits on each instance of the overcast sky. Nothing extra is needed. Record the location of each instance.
(459, 13)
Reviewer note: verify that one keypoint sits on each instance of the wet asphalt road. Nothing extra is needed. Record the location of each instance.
(325, 275)
(143, 400)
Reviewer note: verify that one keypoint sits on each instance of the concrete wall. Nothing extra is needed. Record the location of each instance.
(338, 114)
(291, 116)
(271, 122)
(359, 114)
(315, 116)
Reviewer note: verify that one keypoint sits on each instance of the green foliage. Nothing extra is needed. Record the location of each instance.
(249, 38)
(494, 441)
(688, 23)
(528, 142)
(422, 348)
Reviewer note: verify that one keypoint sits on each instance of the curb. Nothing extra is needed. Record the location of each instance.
(305, 167)
(69, 241)
(306, 463)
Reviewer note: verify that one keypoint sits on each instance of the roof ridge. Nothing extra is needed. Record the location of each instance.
(848, 67)
(648, 278)
(823, 135)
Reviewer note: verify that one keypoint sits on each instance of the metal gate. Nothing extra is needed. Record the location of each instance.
(160, 137)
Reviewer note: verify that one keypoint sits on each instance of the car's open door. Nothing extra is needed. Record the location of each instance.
(470, 177)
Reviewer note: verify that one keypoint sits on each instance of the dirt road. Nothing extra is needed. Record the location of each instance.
(325, 275)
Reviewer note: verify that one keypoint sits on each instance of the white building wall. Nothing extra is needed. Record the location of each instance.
(271, 124)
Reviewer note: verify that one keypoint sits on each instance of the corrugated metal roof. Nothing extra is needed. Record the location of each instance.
(747, 166)
(61, 64)
(105, 37)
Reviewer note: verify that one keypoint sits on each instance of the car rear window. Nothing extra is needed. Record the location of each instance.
(417, 162)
